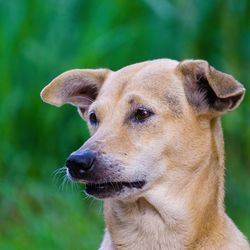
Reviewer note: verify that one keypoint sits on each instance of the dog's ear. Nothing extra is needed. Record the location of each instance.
(79, 87)
(209, 90)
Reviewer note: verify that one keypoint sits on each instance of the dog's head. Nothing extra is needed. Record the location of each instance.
(148, 121)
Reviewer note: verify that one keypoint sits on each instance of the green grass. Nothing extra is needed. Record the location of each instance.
(36, 215)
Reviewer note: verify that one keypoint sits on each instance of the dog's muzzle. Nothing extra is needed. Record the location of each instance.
(102, 180)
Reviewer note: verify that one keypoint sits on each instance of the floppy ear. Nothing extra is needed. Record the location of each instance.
(208, 89)
(79, 87)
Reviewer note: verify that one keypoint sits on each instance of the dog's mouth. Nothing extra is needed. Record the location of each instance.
(109, 189)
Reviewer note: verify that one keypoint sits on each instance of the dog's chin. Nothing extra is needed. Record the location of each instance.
(114, 189)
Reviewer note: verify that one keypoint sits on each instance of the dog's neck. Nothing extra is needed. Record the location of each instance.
(173, 216)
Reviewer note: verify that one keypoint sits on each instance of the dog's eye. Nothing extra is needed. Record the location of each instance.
(93, 118)
(141, 114)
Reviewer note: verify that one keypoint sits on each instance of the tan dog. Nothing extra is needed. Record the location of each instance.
(156, 152)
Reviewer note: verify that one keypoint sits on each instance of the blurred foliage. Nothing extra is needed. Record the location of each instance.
(39, 40)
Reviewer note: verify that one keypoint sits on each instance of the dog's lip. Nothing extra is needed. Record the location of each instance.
(134, 184)
(108, 189)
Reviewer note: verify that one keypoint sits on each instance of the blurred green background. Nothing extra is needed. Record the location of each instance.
(41, 39)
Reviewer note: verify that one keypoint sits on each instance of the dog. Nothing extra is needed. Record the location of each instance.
(156, 154)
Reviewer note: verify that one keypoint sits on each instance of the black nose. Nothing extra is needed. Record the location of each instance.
(80, 163)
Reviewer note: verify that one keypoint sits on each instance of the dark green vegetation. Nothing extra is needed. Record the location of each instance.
(39, 40)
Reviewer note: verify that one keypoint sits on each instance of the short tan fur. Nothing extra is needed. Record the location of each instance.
(178, 151)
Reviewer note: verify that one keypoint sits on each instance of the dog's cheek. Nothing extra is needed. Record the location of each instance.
(148, 163)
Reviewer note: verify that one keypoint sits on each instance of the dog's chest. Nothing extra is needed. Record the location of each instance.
(141, 229)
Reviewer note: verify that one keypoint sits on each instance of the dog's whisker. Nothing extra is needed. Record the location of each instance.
(58, 175)
(100, 209)
(60, 171)
(64, 182)
(91, 202)
(86, 196)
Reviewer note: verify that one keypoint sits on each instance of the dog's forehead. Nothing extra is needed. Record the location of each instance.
(150, 76)
(152, 83)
